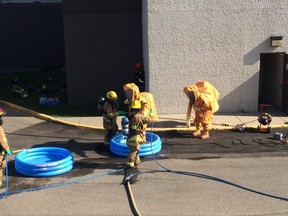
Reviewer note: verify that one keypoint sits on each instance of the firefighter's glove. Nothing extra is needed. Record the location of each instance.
(116, 114)
(8, 151)
(188, 123)
(152, 113)
(126, 101)
(122, 113)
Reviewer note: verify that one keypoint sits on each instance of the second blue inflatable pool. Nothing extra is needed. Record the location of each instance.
(118, 145)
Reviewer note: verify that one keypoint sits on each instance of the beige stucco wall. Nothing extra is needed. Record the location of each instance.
(215, 40)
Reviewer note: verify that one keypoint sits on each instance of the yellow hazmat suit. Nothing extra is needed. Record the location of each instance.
(147, 103)
(203, 97)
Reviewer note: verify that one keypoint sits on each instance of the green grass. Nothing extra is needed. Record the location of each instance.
(32, 82)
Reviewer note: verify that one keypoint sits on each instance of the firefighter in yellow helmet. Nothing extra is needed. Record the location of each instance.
(110, 113)
(4, 147)
(146, 99)
(203, 97)
(136, 136)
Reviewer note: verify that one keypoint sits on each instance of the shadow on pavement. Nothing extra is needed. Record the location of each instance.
(90, 154)
(222, 143)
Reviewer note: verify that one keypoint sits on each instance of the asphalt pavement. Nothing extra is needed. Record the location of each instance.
(231, 173)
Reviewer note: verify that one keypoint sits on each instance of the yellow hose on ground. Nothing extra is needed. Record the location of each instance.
(59, 121)
(19, 150)
(131, 197)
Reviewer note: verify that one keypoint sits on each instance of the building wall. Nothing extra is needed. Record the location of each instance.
(215, 40)
(103, 42)
(31, 36)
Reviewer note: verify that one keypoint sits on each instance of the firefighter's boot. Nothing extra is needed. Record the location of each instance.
(205, 135)
(129, 164)
(137, 160)
(197, 133)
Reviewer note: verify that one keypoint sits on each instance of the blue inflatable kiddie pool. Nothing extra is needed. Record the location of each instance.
(44, 161)
(118, 145)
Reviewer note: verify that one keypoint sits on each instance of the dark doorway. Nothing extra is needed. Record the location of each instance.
(285, 86)
(273, 73)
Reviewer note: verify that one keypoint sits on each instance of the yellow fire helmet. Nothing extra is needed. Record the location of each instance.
(136, 104)
(111, 95)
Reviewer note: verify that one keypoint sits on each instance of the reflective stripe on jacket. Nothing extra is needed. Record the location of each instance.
(135, 129)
